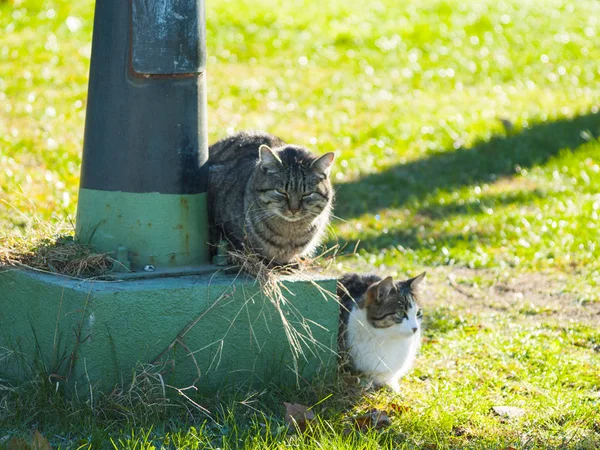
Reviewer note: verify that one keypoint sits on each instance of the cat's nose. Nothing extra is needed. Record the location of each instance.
(294, 210)
(415, 329)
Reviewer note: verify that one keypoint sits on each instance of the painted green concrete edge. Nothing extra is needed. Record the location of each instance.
(163, 230)
(225, 332)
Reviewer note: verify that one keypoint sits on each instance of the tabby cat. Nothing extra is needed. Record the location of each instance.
(269, 196)
(380, 325)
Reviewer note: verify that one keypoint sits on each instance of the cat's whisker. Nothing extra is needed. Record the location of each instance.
(333, 216)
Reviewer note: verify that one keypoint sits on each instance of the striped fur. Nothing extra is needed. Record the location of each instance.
(268, 196)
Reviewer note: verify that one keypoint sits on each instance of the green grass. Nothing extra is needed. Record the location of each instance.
(409, 95)
(469, 364)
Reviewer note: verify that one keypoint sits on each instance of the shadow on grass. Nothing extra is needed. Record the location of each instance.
(413, 238)
(485, 162)
(481, 204)
(410, 184)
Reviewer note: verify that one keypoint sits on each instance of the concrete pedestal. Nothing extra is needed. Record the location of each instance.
(212, 330)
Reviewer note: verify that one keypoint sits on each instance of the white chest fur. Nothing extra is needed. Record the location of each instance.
(383, 354)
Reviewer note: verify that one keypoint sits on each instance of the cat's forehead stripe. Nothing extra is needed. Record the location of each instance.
(303, 178)
(295, 178)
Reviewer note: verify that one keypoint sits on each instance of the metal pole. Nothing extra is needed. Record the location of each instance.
(144, 173)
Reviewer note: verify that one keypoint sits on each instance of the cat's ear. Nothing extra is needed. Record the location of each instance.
(323, 164)
(414, 282)
(383, 289)
(268, 159)
(377, 292)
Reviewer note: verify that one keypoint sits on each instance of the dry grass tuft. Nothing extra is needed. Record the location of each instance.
(272, 288)
(143, 399)
(144, 396)
(51, 248)
(297, 328)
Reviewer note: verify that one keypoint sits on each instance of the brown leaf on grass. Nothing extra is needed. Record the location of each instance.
(462, 431)
(362, 423)
(508, 412)
(298, 415)
(399, 408)
(39, 442)
(459, 431)
(18, 444)
(374, 418)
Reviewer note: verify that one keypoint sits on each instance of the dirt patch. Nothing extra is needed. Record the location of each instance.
(533, 296)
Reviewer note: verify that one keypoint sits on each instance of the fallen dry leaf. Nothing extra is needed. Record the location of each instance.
(39, 442)
(458, 431)
(18, 444)
(399, 408)
(362, 422)
(509, 412)
(298, 415)
(374, 418)
(464, 432)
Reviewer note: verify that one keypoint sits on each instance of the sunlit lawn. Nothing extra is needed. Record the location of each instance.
(466, 136)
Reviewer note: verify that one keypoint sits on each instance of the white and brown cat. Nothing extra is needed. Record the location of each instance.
(380, 325)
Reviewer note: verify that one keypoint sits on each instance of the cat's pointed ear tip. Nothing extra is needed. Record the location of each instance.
(323, 163)
(268, 159)
(386, 284)
(264, 148)
(416, 280)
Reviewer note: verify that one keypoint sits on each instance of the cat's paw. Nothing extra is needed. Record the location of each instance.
(379, 382)
(385, 382)
(394, 385)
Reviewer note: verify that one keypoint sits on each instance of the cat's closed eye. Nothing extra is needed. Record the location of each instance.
(402, 315)
(280, 193)
(309, 197)
(420, 314)
(313, 197)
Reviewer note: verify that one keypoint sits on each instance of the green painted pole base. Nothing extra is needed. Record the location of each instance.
(162, 230)
(215, 331)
